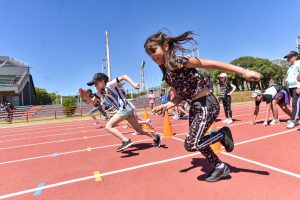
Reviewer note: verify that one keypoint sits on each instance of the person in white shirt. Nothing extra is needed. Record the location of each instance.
(293, 85)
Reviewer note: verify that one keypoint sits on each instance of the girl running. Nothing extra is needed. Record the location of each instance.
(124, 109)
(180, 73)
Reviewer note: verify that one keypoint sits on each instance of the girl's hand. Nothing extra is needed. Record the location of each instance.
(82, 93)
(159, 109)
(136, 85)
(298, 91)
(252, 76)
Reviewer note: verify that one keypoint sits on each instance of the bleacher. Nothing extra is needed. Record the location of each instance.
(18, 113)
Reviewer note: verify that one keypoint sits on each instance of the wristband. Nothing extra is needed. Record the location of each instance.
(244, 75)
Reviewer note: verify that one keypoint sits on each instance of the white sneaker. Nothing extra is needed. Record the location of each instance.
(290, 124)
(225, 121)
(135, 133)
(229, 121)
(274, 122)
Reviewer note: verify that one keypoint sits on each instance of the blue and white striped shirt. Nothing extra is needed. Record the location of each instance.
(115, 95)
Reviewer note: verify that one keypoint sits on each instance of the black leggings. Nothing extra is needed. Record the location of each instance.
(227, 106)
(295, 103)
(203, 112)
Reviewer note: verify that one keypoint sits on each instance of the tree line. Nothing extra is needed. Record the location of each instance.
(271, 71)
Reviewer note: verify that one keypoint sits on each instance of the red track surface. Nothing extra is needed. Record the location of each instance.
(264, 164)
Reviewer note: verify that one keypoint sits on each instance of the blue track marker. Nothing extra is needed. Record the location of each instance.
(55, 154)
(39, 191)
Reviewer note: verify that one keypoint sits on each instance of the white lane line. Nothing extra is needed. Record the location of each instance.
(64, 153)
(45, 129)
(255, 162)
(56, 141)
(267, 136)
(92, 177)
(38, 129)
(263, 165)
(76, 151)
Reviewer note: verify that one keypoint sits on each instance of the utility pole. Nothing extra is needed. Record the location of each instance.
(142, 76)
(104, 66)
(298, 43)
(107, 56)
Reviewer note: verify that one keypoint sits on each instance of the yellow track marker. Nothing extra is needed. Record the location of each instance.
(97, 176)
(89, 149)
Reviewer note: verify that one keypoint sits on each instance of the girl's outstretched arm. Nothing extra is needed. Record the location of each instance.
(211, 64)
(129, 80)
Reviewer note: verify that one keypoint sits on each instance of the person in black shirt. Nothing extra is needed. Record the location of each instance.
(97, 106)
(273, 96)
(226, 88)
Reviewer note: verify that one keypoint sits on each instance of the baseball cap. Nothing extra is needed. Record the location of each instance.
(98, 77)
(291, 54)
(256, 93)
(223, 75)
(89, 90)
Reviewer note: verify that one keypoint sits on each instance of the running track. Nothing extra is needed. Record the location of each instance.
(58, 161)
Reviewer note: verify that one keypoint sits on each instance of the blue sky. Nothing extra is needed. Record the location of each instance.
(64, 40)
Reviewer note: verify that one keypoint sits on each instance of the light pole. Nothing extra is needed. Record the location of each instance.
(298, 43)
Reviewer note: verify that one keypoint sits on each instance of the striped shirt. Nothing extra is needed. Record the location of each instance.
(115, 95)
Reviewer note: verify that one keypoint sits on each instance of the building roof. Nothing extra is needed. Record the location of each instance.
(13, 74)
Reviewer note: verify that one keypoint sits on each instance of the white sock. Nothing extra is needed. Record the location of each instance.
(125, 140)
(221, 166)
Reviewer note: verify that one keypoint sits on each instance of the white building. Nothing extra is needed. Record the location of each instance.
(16, 84)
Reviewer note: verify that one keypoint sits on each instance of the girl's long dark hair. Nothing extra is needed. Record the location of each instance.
(175, 44)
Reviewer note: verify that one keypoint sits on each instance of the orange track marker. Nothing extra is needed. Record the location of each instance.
(146, 126)
(216, 147)
(167, 129)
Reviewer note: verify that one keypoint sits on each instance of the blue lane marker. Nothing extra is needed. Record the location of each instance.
(39, 191)
(55, 154)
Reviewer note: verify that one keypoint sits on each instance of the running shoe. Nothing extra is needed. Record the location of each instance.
(229, 121)
(218, 173)
(225, 121)
(227, 140)
(124, 145)
(274, 122)
(290, 124)
(135, 133)
(157, 140)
